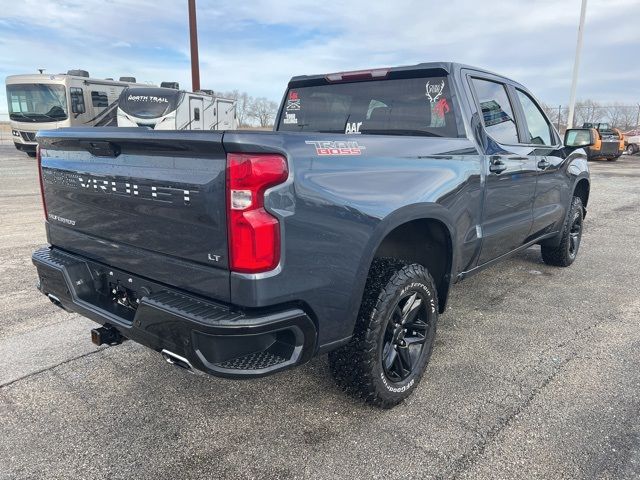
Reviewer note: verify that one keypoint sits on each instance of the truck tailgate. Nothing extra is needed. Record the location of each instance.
(149, 202)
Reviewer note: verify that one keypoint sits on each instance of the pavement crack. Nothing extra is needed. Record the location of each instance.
(38, 372)
(468, 459)
(477, 450)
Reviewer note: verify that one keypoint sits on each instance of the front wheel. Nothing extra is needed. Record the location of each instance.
(631, 149)
(393, 337)
(565, 253)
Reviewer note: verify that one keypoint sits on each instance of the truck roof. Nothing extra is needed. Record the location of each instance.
(448, 67)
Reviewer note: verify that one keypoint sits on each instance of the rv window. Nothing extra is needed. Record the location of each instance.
(196, 114)
(99, 99)
(77, 100)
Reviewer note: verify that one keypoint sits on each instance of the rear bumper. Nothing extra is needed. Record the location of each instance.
(608, 150)
(213, 337)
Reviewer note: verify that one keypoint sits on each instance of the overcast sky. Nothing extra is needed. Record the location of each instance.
(257, 45)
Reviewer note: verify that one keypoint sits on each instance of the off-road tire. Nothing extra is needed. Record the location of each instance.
(358, 366)
(565, 253)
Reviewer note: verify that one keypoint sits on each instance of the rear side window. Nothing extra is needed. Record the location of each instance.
(99, 99)
(407, 106)
(497, 114)
(537, 125)
(77, 100)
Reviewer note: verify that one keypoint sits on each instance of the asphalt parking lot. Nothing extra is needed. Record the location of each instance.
(535, 374)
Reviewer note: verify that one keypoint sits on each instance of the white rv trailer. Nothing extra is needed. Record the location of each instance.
(43, 101)
(171, 109)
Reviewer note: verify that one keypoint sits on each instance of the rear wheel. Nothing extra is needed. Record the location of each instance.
(565, 253)
(31, 154)
(393, 338)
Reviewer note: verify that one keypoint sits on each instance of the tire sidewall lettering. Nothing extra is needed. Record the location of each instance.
(424, 290)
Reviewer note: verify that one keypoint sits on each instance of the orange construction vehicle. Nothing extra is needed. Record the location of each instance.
(610, 143)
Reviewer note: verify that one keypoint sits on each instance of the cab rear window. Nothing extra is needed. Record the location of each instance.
(407, 106)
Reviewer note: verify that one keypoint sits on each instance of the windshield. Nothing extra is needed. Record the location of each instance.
(148, 102)
(37, 102)
(406, 106)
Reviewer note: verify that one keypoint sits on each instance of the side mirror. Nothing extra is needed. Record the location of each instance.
(580, 137)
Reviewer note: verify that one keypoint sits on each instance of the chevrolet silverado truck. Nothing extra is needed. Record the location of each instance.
(244, 253)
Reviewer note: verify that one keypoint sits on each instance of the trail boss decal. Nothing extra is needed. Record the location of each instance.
(434, 91)
(336, 148)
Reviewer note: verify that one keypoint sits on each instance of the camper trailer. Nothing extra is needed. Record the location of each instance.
(172, 109)
(43, 101)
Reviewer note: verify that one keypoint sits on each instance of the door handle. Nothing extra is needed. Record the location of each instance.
(542, 164)
(497, 166)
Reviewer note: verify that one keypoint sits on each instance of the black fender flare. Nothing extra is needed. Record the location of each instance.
(408, 213)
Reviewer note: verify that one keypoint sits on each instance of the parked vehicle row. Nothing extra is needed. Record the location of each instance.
(173, 109)
(42, 101)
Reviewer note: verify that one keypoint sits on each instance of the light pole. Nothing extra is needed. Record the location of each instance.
(193, 36)
(576, 65)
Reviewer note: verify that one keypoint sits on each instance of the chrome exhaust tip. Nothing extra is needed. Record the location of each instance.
(176, 360)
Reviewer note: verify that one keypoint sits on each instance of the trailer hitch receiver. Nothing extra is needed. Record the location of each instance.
(106, 335)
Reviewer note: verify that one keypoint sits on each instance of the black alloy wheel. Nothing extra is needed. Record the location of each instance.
(405, 336)
(575, 234)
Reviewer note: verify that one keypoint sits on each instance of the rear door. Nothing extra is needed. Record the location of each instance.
(551, 197)
(510, 171)
(196, 115)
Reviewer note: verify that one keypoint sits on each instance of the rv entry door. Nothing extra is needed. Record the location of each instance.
(196, 120)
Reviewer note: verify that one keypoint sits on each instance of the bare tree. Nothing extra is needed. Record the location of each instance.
(557, 115)
(623, 117)
(263, 111)
(243, 103)
(588, 111)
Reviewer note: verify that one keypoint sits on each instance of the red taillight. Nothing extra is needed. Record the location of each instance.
(254, 234)
(39, 158)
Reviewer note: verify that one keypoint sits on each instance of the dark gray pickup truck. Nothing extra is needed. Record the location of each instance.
(244, 253)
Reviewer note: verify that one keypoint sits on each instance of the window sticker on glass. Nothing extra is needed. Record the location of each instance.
(293, 102)
(434, 91)
(438, 112)
(290, 118)
(414, 106)
(353, 127)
